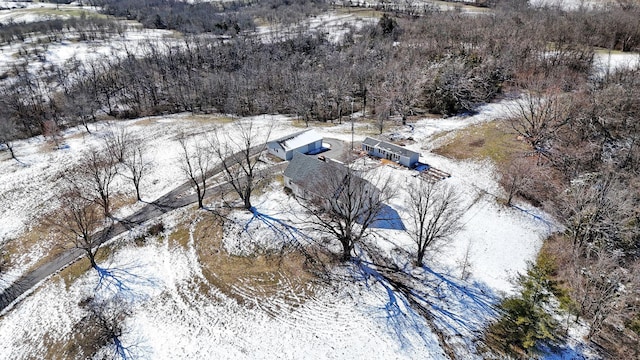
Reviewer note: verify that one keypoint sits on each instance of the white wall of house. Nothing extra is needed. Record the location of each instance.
(276, 149)
(384, 154)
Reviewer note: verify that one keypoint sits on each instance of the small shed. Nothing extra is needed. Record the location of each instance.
(303, 142)
(384, 150)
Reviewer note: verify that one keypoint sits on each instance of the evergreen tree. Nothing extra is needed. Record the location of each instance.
(526, 321)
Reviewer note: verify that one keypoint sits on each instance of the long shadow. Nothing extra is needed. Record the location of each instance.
(166, 203)
(122, 282)
(388, 218)
(289, 235)
(415, 296)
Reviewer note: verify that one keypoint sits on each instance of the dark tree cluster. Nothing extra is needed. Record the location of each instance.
(87, 28)
(213, 17)
(588, 175)
(397, 67)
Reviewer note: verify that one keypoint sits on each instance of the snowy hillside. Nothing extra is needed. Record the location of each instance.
(176, 313)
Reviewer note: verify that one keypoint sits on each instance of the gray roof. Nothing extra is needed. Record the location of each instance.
(323, 178)
(311, 173)
(389, 147)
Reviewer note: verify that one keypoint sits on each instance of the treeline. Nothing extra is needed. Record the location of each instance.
(397, 67)
(88, 28)
(226, 17)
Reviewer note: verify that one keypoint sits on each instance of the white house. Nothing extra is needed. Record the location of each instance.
(385, 150)
(303, 142)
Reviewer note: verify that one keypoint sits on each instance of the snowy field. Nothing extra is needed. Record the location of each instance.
(611, 61)
(25, 12)
(169, 319)
(132, 41)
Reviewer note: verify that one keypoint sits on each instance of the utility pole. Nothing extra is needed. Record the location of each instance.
(351, 118)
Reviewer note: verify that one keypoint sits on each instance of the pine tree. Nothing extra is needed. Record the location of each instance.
(526, 321)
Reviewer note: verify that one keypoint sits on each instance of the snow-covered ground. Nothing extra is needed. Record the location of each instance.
(25, 12)
(573, 4)
(132, 41)
(171, 320)
(615, 60)
(334, 25)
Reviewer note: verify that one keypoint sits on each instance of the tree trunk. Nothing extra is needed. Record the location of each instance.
(347, 246)
(92, 259)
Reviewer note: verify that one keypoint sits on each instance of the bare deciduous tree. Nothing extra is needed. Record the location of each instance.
(103, 329)
(346, 205)
(435, 212)
(239, 154)
(196, 165)
(516, 178)
(598, 287)
(51, 130)
(596, 210)
(97, 175)
(7, 135)
(117, 142)
(538, 115)
(80, 221)
(137, 165)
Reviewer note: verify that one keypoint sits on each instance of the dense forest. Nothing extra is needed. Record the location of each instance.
(582, 126)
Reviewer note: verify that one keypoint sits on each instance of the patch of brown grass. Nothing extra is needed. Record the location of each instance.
(78, 268)
(299, 123)
(45, 235)
(209, 118)
(491, 140)
(250, 278)
(360, 12)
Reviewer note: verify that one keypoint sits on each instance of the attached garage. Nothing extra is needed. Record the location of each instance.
(303, 142)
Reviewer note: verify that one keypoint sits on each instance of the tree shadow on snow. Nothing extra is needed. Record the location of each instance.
(419, 298)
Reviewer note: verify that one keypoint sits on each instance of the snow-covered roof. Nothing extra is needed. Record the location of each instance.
(393, 148)
(296, 140)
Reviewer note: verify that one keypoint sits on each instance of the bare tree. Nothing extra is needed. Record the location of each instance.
(538, 115)
(103, 329)
(97, 175)
(516, 178)
(81, 218)
(598, 287)
(117, 142)
(435, 213)
(597, 210)
(346, 205)
(239, 153)
(196, 165)
(7, 135)
(137, 165)
(51, 130)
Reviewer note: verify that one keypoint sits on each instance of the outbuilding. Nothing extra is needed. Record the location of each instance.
(384, 150)
(304, 142)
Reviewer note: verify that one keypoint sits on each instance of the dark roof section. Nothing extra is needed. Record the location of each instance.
(389, 147)
(311, 173)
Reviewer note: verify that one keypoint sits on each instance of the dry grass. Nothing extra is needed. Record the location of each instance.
(299, 123)
(42, 237)
(249, 278)
(209, 118)
(73, 272)
(47, 238)
(492, 140)
(360, 12)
